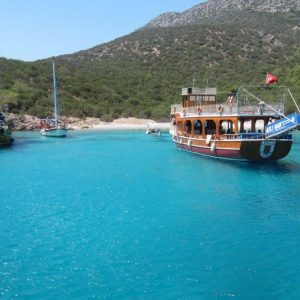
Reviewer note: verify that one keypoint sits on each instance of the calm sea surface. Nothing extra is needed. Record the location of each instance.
(123, 215)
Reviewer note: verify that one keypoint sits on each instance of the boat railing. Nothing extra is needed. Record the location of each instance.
(261, 109)
(205, 109)
(250, 136)
(234, 136)
(229, 109)
(241, 136)
(253, 136)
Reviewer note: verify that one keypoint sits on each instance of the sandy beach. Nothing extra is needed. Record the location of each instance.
(118, 124)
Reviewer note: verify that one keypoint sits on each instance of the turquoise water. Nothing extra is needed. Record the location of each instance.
(123, 215)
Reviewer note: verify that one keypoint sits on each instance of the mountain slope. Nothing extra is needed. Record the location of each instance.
(141, 74)
(217, 8)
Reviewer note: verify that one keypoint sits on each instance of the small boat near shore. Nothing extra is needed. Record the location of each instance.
(6, 138)
(153, 130)
(245, 127)
(54, 126)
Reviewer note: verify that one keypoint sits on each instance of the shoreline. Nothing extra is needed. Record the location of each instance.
(31, 123)
(118, 124)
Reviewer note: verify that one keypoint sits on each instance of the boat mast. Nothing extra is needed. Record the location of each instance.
(54, 94)
(194, 79)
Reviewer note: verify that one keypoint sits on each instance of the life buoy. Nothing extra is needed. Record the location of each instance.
(199, 110)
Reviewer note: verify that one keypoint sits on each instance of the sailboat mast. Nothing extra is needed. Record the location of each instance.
(54, 94)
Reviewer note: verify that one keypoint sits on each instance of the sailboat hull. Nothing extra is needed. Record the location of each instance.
(54, 132)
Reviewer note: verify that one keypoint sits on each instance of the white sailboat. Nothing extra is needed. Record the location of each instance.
(54, 127)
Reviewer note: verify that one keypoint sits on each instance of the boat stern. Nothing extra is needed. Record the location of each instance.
(265, 150)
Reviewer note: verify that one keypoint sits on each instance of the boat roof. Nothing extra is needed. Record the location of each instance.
(211, 91)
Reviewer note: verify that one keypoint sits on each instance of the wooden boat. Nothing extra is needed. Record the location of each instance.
(6, 138)
(54, 127)
(244, 127)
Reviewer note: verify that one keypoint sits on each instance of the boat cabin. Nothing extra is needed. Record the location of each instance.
(203, 112)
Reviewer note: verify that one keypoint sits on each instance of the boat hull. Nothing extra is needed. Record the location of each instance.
(54, 132)
(265, 149)
(246, 150)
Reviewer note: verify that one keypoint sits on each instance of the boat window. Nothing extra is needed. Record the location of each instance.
(188, 126)
(226, 127)
(197, 127)
(251, 125)
(259, 125)
(210, 127)
(222, 127)
(245, 126)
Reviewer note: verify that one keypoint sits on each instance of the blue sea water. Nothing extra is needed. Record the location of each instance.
(123, 215)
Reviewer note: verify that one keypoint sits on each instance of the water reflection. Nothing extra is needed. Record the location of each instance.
(282, 166)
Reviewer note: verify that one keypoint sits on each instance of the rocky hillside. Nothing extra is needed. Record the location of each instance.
(216, 8)
(141, 74)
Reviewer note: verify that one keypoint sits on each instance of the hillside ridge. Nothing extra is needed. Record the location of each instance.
(217, 8)
(141, 74)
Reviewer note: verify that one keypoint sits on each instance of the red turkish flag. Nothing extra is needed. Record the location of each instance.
(271, 79)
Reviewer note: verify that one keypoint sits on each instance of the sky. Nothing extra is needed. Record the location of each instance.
(37, 29)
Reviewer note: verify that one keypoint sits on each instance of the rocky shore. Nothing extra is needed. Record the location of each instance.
(28, 122)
